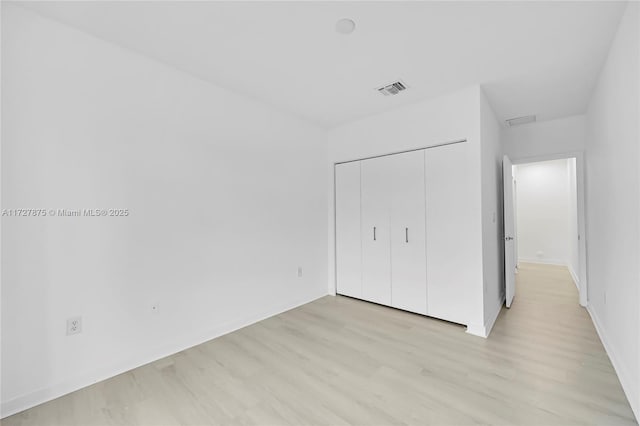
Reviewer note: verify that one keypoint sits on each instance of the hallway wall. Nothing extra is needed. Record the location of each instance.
(613, 204)
(544, 138)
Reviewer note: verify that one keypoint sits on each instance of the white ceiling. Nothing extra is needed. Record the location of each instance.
(532, 57)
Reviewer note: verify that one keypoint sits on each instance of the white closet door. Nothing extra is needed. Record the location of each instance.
(407, 232)
(376, 260)
(450, 190)
(348, 240)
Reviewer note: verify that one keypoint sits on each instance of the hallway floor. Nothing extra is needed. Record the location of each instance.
(341, 361)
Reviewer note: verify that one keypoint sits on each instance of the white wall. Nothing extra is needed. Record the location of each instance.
(444, 119)
(492, 214)
(545, 138)
(227, 198)
(542, 212)
(613, 198)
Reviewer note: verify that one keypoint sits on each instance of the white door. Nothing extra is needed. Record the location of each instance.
(509, 232)
(376, 255)
(451, 208)
(407, 232)
(348, 241)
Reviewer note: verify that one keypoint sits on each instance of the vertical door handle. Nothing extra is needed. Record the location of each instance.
(374, 233)
(406, 234)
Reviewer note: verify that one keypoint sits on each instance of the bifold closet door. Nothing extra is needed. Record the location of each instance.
(451, 185)
(407, 232)
(376, 252)
(348, 239)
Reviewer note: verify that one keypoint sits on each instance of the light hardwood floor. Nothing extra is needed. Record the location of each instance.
(340, 361)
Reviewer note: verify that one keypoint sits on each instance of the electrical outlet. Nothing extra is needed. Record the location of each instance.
(155, 308)
(299, 271)
(74, 325)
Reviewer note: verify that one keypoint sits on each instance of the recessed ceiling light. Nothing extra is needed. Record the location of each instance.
(345, 26)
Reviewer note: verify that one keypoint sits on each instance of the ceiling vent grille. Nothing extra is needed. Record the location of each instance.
(393, 88)
(521, 120)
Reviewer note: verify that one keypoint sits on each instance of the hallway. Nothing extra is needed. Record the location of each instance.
(342, 361)
(551, 339)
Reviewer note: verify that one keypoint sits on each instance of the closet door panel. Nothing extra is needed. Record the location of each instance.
(376, 261)
(348, 238)
(407, 232)
(450, 190)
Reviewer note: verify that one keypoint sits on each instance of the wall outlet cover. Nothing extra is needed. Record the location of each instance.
(74, 325)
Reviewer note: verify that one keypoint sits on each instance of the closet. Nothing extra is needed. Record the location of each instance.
(398, 230)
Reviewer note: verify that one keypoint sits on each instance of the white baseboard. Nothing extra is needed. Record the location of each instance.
(40, 396)
(476, 330)
(628, 382)
(485, 329)
(574, 276)
(332, 288)
(542, 261)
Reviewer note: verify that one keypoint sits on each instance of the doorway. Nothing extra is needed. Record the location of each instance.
(548, 198)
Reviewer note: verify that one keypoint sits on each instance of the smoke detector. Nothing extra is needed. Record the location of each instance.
(392, 88)
(345, 26)
(521, 120)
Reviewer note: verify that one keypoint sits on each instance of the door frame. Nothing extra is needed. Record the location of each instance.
(583, 287)
(509, 236)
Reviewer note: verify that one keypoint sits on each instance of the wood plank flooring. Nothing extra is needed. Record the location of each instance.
(339, 361)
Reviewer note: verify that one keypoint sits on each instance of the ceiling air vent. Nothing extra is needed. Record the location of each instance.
(521, 120)
(393, 88)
